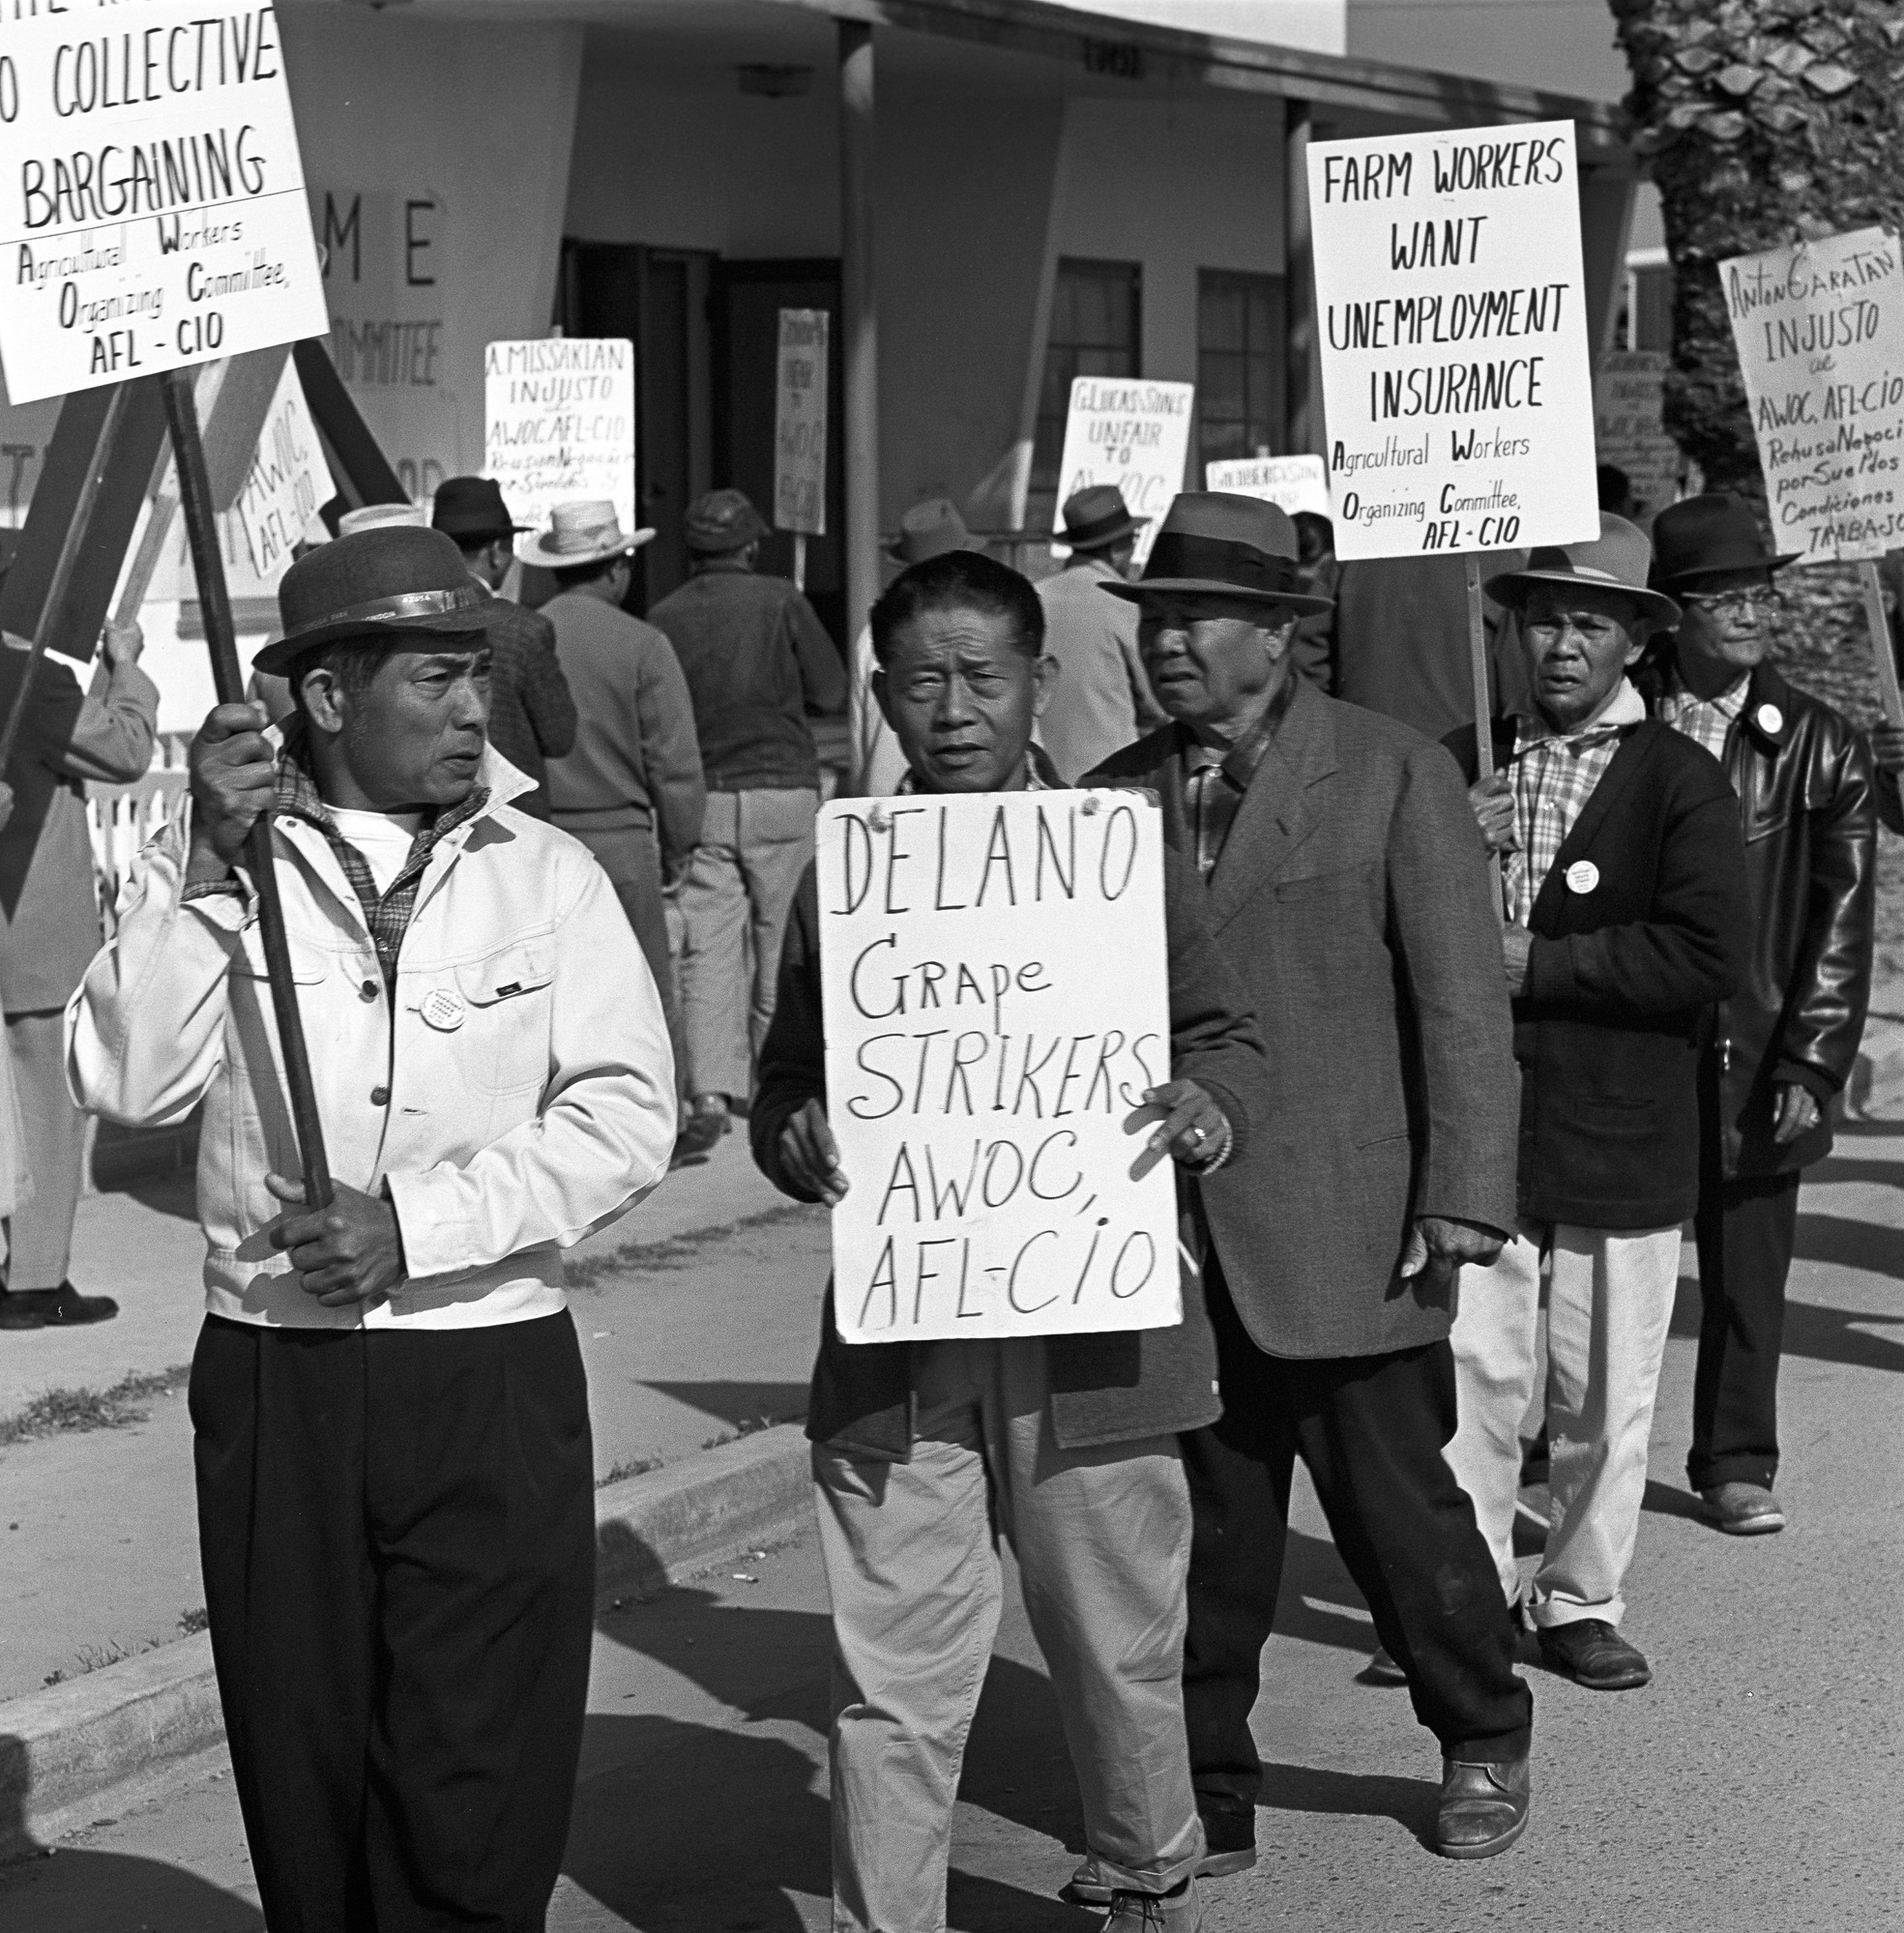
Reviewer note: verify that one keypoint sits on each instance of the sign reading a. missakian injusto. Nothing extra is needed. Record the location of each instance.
(1451, 305)
(1820, 329)
(995, 1002)
(152, 202)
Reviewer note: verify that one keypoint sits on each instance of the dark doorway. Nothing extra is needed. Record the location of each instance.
(748, 298)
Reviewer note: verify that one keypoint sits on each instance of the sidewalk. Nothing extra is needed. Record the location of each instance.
(697, 1312)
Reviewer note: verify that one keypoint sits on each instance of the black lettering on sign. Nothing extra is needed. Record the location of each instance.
(1121, 60)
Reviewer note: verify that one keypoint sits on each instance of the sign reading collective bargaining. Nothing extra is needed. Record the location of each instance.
(1133, 434)
(982, 1061)
(1293, 484)
(1820, 330)
(559, 423)
(152, 202)
(1450, 304)
(800, 424)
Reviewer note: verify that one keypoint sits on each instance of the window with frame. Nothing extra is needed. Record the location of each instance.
(1239, 348)
(1097, 310)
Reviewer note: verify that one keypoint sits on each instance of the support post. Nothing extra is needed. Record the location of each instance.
(799, 560)
(859, 339)
(1483, 704)
(1303, 371)
(208, 564)
(1882, 651)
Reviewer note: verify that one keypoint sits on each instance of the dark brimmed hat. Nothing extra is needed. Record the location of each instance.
(470, 508)
(1702, 536)
(720, 521)
(375, 586)
(930, 529)
(1226, 547)
(1616, 560)
(1095, 518)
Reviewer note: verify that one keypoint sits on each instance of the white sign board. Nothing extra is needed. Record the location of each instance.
(288, 480)
(1451, 306)
(153, 211)
(559, 423)
(982, 1061)
(800, 424)
(1820, 330)
(1133, 434)
(1630, 425)
(1293, 484)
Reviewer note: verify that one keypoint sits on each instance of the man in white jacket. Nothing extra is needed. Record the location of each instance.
(395, 1482)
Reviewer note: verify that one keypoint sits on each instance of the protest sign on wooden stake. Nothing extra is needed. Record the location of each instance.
(288, 479)
(799, 432)
(559, 423)
(1629, 429)
(1293, 484)
(1132, 434)
(995, 1004)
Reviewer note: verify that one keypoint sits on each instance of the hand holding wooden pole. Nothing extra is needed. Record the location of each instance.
(208, 562)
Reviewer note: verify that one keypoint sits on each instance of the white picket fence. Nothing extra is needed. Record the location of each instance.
(123, 817)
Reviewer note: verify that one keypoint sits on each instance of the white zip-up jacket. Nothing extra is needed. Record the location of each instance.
(516, 1094)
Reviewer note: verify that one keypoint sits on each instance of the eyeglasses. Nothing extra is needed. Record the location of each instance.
(1733, 604)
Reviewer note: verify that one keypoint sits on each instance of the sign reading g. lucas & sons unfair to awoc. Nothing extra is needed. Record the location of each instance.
(1451, 303)
(152, 200)
(993, 976)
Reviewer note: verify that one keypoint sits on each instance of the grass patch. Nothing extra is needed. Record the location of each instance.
(60, 1411)
(632, 1466)
(679, 1252)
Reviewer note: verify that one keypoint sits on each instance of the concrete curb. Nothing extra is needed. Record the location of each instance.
(66, 1751)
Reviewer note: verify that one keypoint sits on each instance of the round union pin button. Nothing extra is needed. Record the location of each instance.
(441, 1009)
(1582, 876)
(1771, 721)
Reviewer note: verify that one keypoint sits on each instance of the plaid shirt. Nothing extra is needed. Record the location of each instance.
(1553, 774)
(1707, 721)
(387, 914)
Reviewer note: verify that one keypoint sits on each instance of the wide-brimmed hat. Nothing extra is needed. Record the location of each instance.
(930, 529)
(1225, 545)
(584, 532)
(382, 516)
(471, 508)
(1618, 559)
(1702, 536)
(375, 586)
(1095, 518)
(722, 521)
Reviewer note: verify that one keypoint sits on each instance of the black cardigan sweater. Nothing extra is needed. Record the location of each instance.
(1620, 985)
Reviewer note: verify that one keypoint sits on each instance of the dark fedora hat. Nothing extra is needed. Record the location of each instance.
(1095, 518)
(720, 521)
(375, 586)
(1226, 547)
(1616, 560)
(930, 529)
(1701, 536)
(471, 508)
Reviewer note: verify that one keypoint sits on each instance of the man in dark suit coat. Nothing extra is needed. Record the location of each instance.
(1347, 886)
(1627, 917)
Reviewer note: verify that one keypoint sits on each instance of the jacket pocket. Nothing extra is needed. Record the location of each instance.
(509, 998)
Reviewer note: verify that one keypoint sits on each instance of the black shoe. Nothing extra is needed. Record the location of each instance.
(1593, 1653)
(65, 1307)
(15, 1312)
(1483, 1807)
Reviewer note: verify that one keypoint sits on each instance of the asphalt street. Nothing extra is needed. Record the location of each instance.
(1752, 1786)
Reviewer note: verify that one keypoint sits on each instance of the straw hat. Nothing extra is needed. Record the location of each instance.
(1619, 558)
(581, 532)
(382, 516)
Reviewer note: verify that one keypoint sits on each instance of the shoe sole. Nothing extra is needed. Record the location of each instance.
(1760, 1526)
(1489, 1848)
(1631, 1682)
(1213, 1865)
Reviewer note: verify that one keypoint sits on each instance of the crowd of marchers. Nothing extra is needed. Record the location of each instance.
(1466, 1024)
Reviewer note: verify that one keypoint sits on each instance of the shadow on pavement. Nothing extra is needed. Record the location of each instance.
(1853, 1168)
(176, 1194)
(1411, 1802)
(1662, 1499)
(1846, 1243)
(1312, 1569)
(741, 1402)
(67, 1890)
(1811, 1328)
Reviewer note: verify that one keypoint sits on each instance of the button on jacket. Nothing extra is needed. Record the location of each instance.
(515, 1093)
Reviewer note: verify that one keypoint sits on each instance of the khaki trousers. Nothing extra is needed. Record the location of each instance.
(1102, 1541)
(55, 1135)
(1609, 1298)
(734, 902)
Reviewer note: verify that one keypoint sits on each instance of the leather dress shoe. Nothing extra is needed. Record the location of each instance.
(1593, 1653)
(65, 1307)
(1745, 1509)
(1179, 1912)
(1382, 1669)
(15, 1312)
(1483, 1807)
(1230, 1847)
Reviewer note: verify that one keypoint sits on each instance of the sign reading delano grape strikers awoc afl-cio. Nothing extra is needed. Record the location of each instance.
(1451, 306)
(152, 197)
(993, 980)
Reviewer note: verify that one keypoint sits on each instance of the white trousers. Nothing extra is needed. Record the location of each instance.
(1609, 1298)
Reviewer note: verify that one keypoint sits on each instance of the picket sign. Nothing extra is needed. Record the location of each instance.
(286, 482)
(559, 423)
(1820, 331)
(1629, 428)
(1293, 484)
(799, 432)
(982, 1061)
(1132, 434)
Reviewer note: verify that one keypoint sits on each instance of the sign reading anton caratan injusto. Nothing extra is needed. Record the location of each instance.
(152, 199)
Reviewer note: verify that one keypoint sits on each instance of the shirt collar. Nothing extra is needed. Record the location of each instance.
(1237, 762)
(1626, 707)
(1729, 703)
(299, 796)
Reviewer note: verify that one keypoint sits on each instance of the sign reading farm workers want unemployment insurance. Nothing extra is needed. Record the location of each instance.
(1130, 433)
(1820, 330)
(559, 423)
(800, 424)
(151, 203)
(982, 1061)
(1451, 305)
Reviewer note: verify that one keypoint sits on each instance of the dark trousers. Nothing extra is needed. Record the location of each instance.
(1370, 1429)
(1744, 1231)
(397, 1534)
(631, 858)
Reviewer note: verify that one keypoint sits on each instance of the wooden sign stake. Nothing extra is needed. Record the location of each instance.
(1484, 709)
(208, 564)
(1880, 645)
(799, 560)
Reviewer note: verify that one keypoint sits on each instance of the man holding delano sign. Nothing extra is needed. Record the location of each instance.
(1068, 1441)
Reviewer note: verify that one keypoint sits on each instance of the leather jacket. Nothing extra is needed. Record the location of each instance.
(1808, 810)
